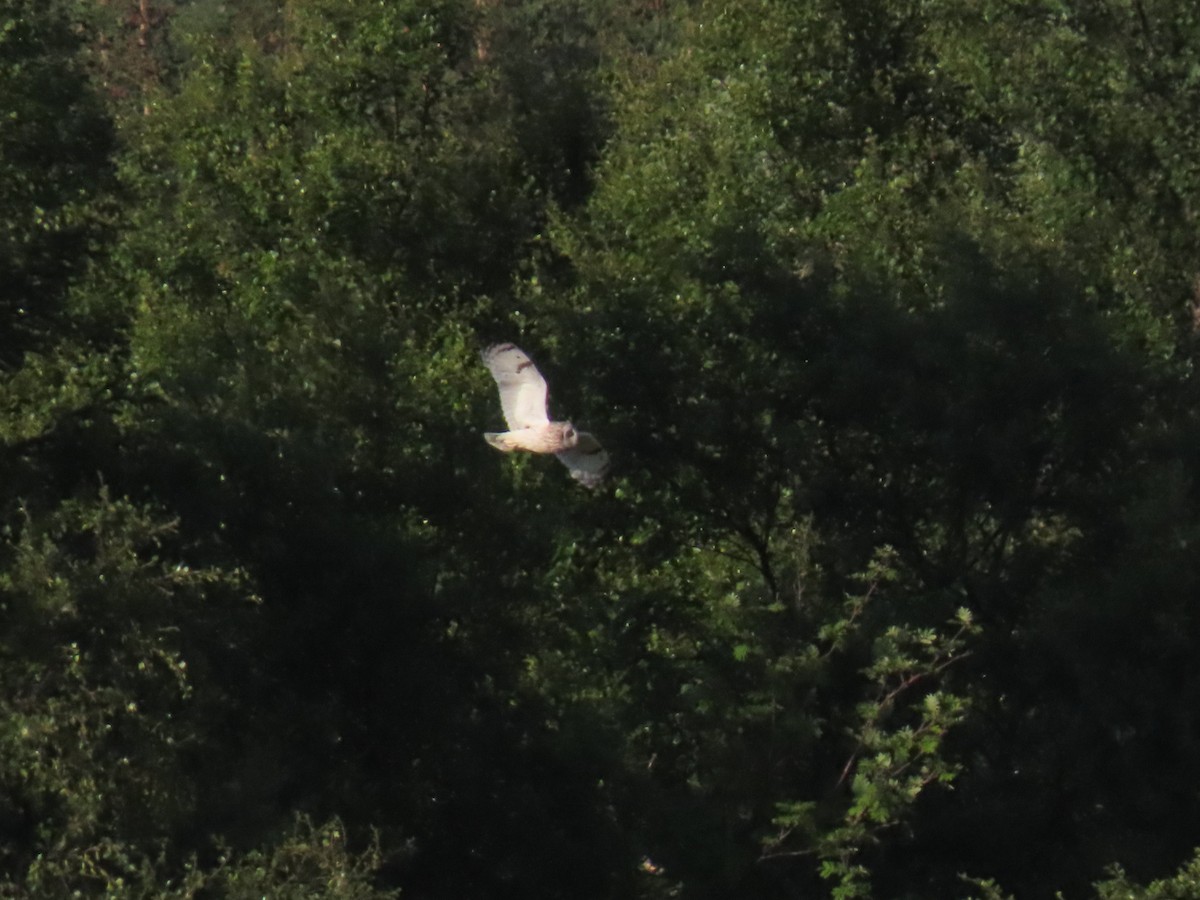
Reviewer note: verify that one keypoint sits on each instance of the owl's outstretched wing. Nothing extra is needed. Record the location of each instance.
(522, 387)
(587, 460)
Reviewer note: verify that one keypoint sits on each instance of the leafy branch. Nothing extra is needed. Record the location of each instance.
(890, 764)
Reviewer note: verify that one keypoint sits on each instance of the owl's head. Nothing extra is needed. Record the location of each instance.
(569, 436)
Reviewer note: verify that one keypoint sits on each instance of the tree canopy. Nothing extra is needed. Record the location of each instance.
(886, 313)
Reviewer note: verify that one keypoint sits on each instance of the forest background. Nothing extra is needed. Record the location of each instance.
(887, 312)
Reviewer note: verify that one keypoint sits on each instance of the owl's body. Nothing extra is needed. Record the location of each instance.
(523, 394)
(553, 437)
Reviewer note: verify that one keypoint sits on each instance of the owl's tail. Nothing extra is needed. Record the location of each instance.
(500, 441)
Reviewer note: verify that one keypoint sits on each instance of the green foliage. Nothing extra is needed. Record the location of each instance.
(1185, 885)
(877, 337)
(48, 388)
(884, 311)
(101, 704)
(54, 164)
(312, 863)
(899, 735)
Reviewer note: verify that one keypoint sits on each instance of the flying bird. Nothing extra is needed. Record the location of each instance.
(523, 398)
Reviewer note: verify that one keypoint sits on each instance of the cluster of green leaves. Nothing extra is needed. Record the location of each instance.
(108, 649)
(852, 283)
(54, 162)
(885, 311)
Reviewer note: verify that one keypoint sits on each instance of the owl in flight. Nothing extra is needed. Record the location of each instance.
(523, 398)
